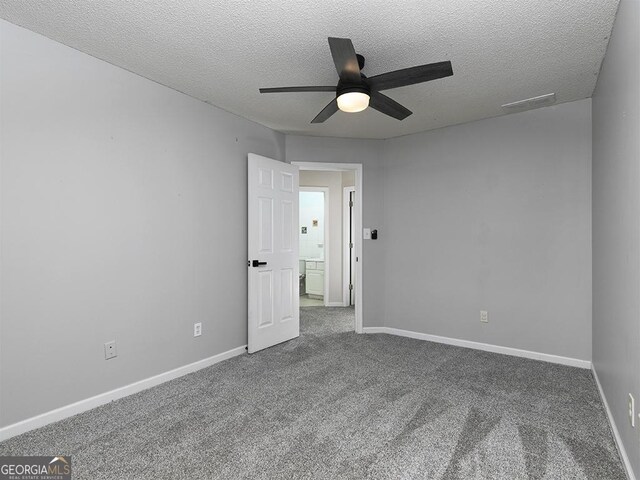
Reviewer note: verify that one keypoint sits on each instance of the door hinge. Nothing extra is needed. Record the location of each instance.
(351, 245)
(351, 286)
(351, 203)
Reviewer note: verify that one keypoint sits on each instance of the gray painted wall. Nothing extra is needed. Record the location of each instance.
(493, 215)
(367, 152)
(123, 217)
(616, 224)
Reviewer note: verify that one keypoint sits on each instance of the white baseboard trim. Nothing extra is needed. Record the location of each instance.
(376, 330)
(98, 400)
(335, 304)
(516, 352)
(614, 429)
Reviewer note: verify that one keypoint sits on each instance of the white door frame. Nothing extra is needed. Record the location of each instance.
(325, 190)
(357, 168)
(346, 252)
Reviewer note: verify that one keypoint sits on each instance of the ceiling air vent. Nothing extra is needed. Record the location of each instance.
(529, 103)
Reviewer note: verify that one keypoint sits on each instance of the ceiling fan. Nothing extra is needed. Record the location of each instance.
(355, 92)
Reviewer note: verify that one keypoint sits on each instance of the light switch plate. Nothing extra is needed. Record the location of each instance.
(632, 410)
(366, 233)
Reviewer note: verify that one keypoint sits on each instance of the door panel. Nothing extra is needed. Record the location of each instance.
(265, 298)
(265, 220)
(288, 234)
(286, 281)
(287, 182)
(273, 287)
(265, 177)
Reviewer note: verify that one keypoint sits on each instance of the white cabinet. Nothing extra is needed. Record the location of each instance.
(315, 278)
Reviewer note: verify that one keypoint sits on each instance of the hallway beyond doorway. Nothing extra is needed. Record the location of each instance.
(307, 301)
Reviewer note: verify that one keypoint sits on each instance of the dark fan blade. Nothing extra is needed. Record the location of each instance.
(390, 107)
(345, 59)
(410, 76)
(297, 89)
(326, 112)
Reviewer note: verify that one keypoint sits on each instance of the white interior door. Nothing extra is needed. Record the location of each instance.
(273, 253)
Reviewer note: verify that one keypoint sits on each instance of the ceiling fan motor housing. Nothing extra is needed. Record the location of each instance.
(351, 87)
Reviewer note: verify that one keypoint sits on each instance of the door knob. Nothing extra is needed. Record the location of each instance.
(257, 263)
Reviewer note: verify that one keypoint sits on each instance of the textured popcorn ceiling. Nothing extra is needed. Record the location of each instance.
(223, 51)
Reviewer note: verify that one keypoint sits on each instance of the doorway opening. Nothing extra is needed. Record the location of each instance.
(314, 245)
(330, 249)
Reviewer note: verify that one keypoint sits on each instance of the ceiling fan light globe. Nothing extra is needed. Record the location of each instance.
(353, 102)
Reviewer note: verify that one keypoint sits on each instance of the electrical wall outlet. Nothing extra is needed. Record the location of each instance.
(197, 329)
(484, 316)
(632, 410)
(110, 350)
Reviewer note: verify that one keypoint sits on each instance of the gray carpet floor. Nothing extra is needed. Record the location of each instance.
(332, 404)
